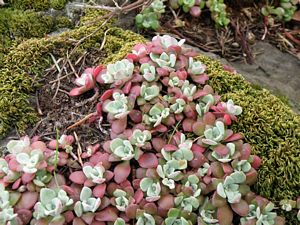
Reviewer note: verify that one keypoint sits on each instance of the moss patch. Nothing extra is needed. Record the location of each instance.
(37, 5)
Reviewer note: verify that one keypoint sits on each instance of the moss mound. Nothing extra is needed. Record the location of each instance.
(37, 5)
(269, 125)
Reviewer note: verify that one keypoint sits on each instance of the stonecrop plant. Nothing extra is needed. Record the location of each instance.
(170, 157)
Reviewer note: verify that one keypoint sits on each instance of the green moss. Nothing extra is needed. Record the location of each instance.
(58, 4)
(37, 5)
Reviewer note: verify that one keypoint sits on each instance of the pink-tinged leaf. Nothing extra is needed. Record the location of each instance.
(169, 121)
(88, 217)
(14, 165)
(249, 197)
(38, 145)
(108, 214)
(135, 91)
(138, 196)
(78, 221)
(42, 222)
(217, 169)
(136, 183)
(150, 208)
(68, 189)
(207, 179)
(234, 137)
(221, 150)
(131, 211)
(200, 79)
(198, 160)
(279, 220)
(227, 168)
(198, 128)
(16, 184)
(118, 126)
(77, 177)
(136, 116)
(166, 202)
(181, 74)
(102, 158)
(225, 215)
(106, 95)
(199, 93)
(98, 223)
(160, 128)
(229, 68)
(24, 215)
(52, 144)
(241, 208)
(99, 190)
(227, 120)
(245, 152)
(256, 162)
(209, 118)
(217, 201)
(122, 171)
(27, 200)
(144, 60)
(251, 177)
(108, 175)
(132, 57)
(198, 148)
(77, 91)
(158, 143)
(187, 125)
(140, 173)
(190, 111)
(126, 88)
(170, 148)
(97, 70)
(162, 72)
(69, 216)
(148, 160)
(195, 11)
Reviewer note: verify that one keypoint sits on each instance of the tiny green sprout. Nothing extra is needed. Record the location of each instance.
(149, 92)
(188, 90)
(87, 203)
(195, 68)
(52, 203)
(42, 177)
(193, 182)
(121, 200)
(121, 70)
(119, 106)
(119, 221)
(95, 174)
(123, 149)
(230, 187)
(158, 6)
(139, 138)
(148, 72)
(228, 157)
(145, 219)
(151, 188)
(188, 203)
(30, 161)
(169, 173)
(156, 114)
(287, 205)
(178, 106)
(202, 171)
(164, 60)
(214, 134)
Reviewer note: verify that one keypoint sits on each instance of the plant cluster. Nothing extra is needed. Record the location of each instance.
(170, 158)
(283, 12)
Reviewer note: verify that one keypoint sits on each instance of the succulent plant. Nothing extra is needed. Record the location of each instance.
(7, 215)
(175, 218)
(287, 204)
(230, 187)
(174, 81)
(204, 105)
(242, 165)
(169, 173)
(148, 72)
(118, 107)
(230, 149)
(156, 114)
(42, 177)
(119, 221)
(52, 204)
(121, 200)
(17, 146)
(178, 106)
(95, 174)
(149, 92)
(193, 182)
(151, 188)
(188, 203)
(139, 138)
(218, 12)
(87, 202)
(145, 219)
(3, 167)
(195, 68)
(214, 134)
(188, 90)
(119, 71)
(202, 171)
(231, 108)
(167, 41)
(260, 216)
(30, 161)
(208, 216)
(123, 149)
(164, 60)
